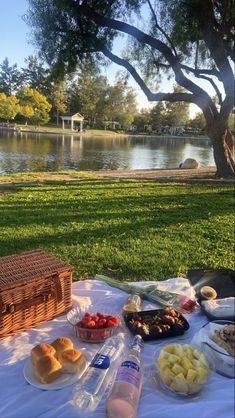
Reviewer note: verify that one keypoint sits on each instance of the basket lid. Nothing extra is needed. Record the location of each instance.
(25, 267)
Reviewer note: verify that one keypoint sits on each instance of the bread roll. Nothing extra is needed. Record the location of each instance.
(48, 369)
(60, 345)
(72, 361)
(41, 350)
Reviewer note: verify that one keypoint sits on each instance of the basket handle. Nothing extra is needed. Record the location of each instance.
(14, 307)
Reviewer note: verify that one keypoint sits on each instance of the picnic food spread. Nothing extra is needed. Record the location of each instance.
(182, 369)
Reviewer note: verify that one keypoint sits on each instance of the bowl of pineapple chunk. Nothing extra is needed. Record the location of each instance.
(182, 368)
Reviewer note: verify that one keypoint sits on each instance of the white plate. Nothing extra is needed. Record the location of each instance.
(62, 381)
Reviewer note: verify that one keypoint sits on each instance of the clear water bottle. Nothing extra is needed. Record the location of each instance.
(123, 399)
(89, 391)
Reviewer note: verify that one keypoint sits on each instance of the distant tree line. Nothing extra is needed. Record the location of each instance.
(32, 95)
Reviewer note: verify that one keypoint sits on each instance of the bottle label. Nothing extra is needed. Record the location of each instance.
(129, 372)
(100, 361)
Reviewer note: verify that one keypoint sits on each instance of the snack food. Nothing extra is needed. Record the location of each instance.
(208, 293)
(48, 369)
(72, 360)
(41, 350)
(61, 344)
(225, 337)
(155, 324)
(183, 368)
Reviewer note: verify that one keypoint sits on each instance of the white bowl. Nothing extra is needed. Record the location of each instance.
(223, 361)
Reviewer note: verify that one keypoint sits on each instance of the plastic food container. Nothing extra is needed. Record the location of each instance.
(184, 385)
(91, 335)
(157, 323)
(224, 363)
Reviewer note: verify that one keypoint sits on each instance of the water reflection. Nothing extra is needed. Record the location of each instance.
(39, 152)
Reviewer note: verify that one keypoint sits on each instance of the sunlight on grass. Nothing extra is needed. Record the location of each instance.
(132, 230)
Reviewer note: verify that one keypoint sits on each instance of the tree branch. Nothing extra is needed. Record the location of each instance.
(143, 38)
(170, 97)
(159, 28)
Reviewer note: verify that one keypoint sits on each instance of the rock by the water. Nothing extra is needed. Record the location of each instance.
(190, 163)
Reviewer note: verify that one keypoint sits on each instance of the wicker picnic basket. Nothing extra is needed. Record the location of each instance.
(34, 287)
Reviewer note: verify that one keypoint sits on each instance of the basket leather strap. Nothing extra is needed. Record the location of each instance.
(11, 307)
(58, 288)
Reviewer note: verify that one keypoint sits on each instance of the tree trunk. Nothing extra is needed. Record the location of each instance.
(223, 152)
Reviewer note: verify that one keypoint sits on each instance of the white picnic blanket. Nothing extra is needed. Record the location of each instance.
(18, 399)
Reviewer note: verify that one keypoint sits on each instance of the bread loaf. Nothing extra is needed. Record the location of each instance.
(41, 350)
(48, 369)
(60, 345)
(72, 361)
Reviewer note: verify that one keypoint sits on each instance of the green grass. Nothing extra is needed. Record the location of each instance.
(131, 230)
(44, 177)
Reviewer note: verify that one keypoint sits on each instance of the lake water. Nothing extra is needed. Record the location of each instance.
(28, 152)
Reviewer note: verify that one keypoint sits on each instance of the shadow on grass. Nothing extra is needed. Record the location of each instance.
(79, 218)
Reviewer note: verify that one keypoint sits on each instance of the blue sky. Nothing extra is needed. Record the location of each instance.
(13, 32)
(15, 36)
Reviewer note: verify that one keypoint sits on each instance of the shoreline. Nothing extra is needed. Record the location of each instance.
(102, 134)
(203, 175)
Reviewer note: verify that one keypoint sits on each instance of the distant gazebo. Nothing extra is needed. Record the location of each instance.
(72, 118)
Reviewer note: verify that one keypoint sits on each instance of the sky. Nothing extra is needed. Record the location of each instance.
(16, 46)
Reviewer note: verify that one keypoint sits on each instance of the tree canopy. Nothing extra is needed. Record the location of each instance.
(192, 40)
(34, 106)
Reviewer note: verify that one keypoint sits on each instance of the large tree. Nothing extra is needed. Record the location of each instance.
(194, 39)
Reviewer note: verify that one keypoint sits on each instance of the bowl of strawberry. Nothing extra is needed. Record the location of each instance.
(92, 326)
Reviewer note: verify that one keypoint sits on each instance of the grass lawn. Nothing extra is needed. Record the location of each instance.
(54, 128)
(131, 230)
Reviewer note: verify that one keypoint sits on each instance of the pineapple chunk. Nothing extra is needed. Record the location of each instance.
(179, 386)
(164, 355)
(172, 358)
(170, 348)
(186, 363)
(204, 361)
(196, 363)
(162, 363)
(191, 375)
(202, 374)
(166, 376)
(178, 369)
(178, 350)
(180, 376)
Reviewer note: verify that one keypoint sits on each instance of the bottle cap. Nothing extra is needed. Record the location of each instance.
(137, 343)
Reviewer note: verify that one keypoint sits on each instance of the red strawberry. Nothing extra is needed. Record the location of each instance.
(91, 324)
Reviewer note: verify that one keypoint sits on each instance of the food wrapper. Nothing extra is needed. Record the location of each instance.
(181, 303)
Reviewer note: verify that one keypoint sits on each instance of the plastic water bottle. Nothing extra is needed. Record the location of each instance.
(123, 399)
(89, 391)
